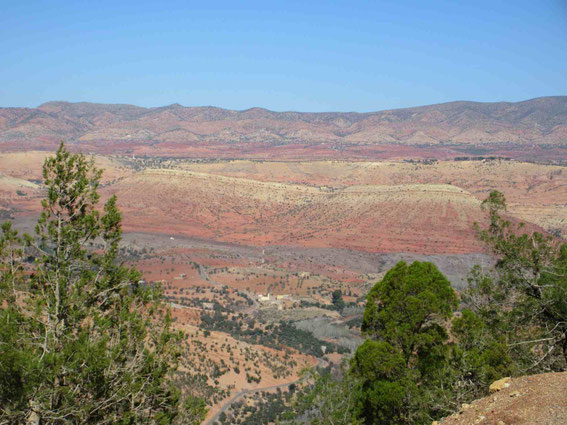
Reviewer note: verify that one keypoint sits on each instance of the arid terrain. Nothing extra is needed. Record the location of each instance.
(533, 129)
(250, 251)
(283, 213)
(361, 206)
(528, 400)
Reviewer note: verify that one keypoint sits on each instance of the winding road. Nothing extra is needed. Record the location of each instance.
(320, 363)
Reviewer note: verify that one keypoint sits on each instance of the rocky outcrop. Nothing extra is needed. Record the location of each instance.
(528, 400)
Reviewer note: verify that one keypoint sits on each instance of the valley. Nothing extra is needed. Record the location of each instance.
(250, 252)
(283, 213)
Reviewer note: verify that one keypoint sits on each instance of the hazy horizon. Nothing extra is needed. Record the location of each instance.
(278, 111)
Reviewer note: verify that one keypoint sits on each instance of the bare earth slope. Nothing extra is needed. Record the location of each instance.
(436, 130)
(374, 218)
(529, 400)
(359, 206)
(535, 193)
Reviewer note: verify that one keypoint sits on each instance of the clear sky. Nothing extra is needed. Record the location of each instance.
(305, 55)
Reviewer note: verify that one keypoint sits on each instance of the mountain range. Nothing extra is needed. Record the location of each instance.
(176, 129)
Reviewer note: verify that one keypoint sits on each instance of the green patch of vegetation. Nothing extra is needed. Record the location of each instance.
(273, 336)
(263, 408)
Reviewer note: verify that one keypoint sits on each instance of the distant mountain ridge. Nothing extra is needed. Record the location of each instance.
(540, 121)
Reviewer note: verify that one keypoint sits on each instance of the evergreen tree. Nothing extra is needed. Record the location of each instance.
(337, 300)
(405, 320)
(409, 371)
(82, 339)
(525, 300)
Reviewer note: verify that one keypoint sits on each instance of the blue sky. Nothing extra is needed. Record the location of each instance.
(289, 55)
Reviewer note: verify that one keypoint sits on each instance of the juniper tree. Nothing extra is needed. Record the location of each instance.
(82, 339)
(405, 322)
(525, 299)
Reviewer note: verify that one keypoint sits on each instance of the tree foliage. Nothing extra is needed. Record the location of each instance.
(525, 299)
(405, 319)
(337, 300)
(82, 339)
(407, 308)
(325, 399)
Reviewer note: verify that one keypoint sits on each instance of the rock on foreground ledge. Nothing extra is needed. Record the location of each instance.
(528, 400)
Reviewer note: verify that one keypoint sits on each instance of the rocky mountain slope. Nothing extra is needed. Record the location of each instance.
(174, 129)
(528, 400)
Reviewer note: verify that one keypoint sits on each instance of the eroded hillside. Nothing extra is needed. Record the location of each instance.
(535, 193)
(361, 206)
(528, 400)
(368, 218)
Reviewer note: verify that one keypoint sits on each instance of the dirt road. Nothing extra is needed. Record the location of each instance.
(320, 363)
